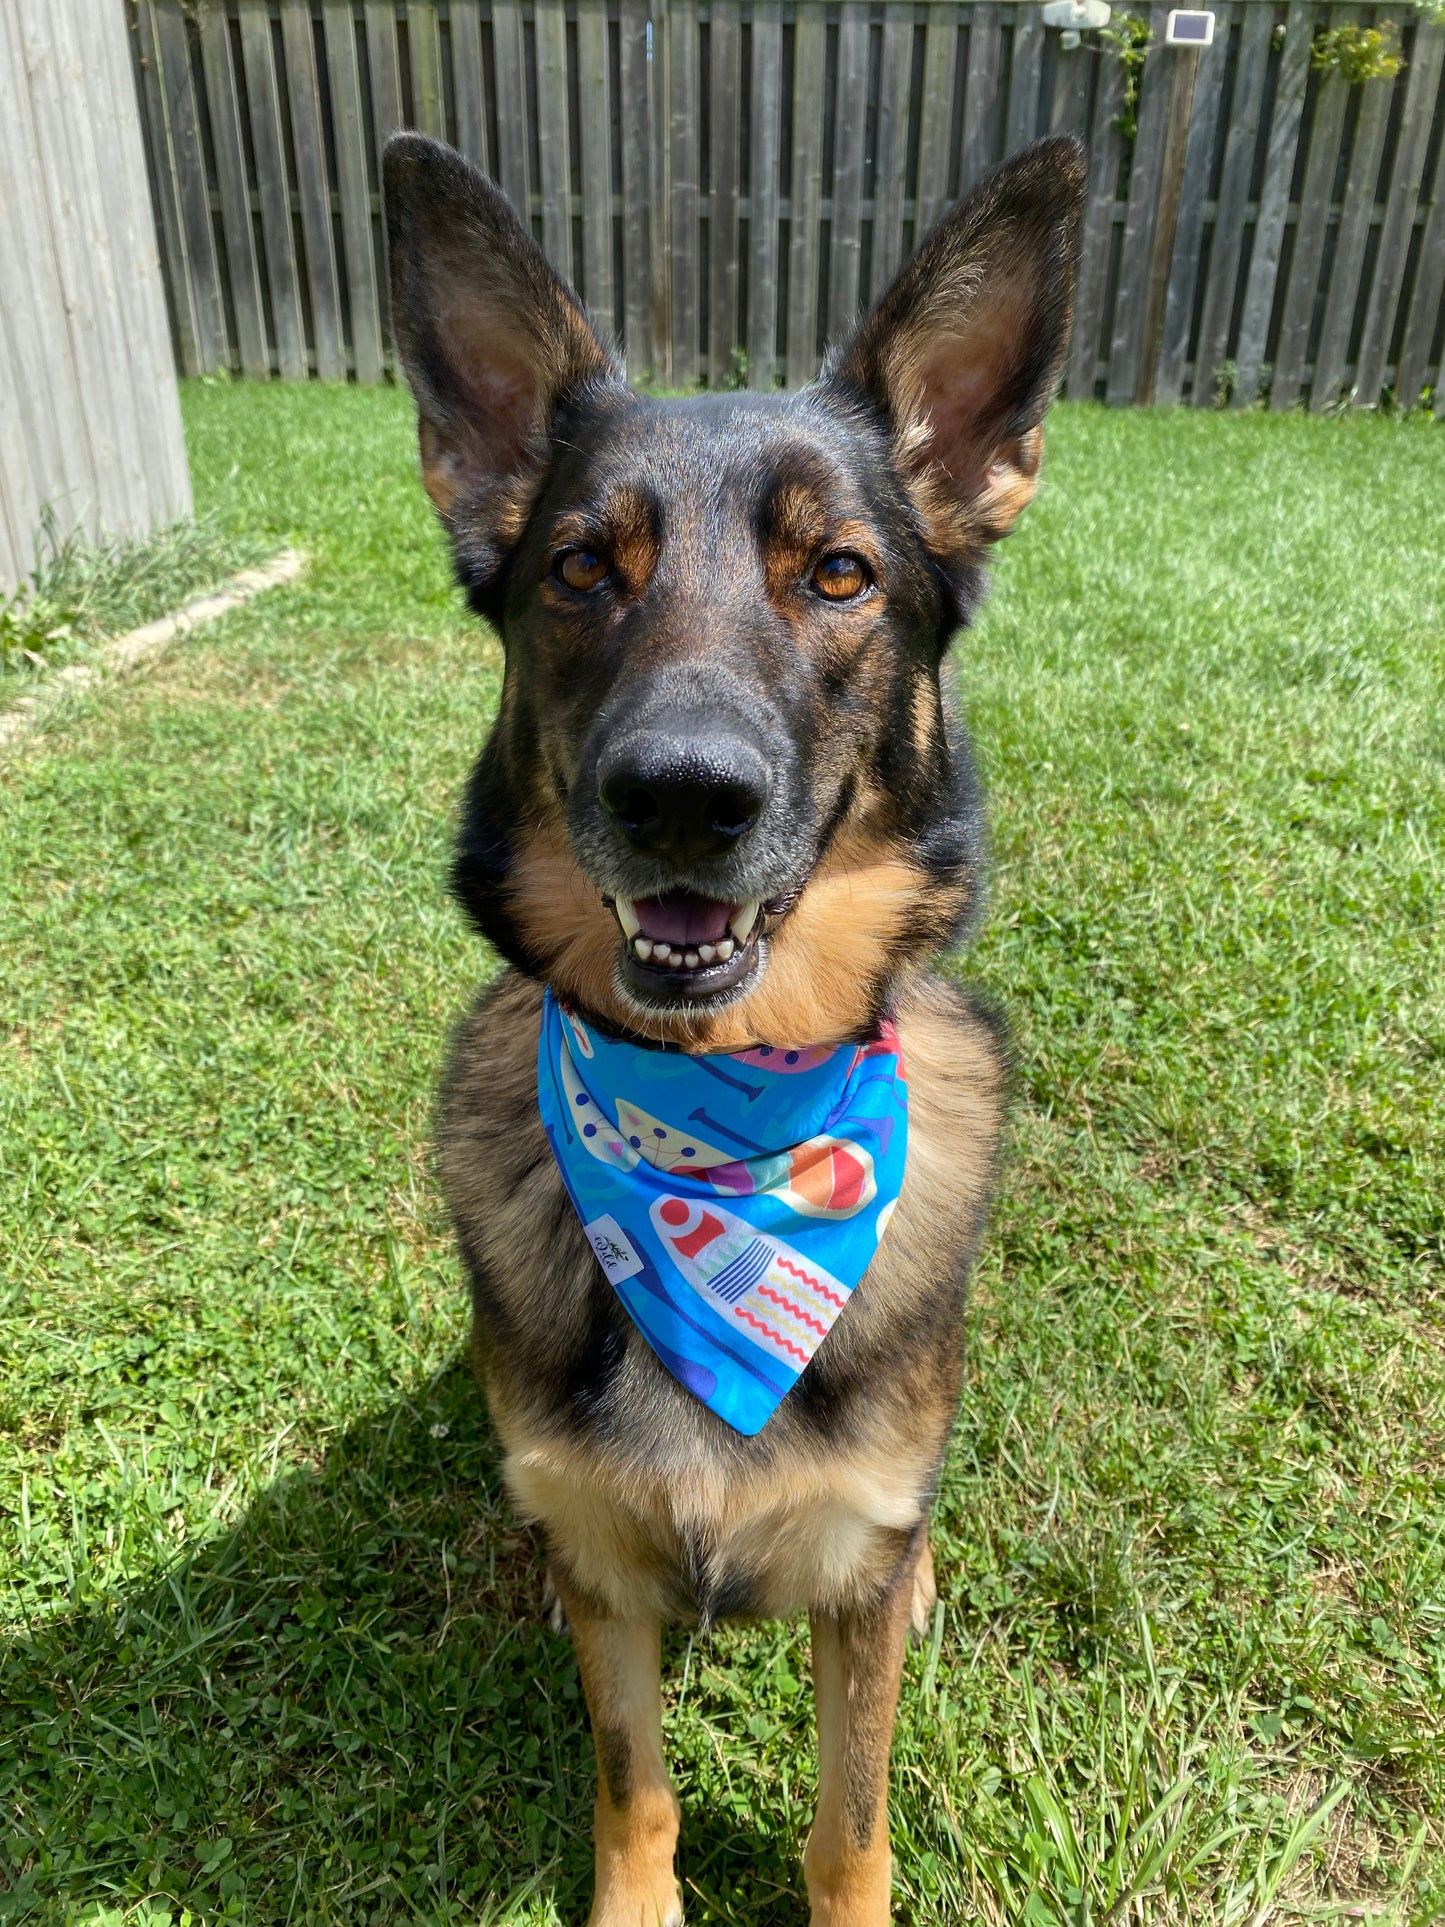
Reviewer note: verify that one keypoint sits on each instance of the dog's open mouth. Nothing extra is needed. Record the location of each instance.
(686, 945)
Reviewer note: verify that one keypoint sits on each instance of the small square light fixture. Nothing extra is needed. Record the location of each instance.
(1189, 27)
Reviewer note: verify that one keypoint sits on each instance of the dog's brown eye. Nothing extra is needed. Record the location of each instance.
(580, 569)
(840, 577)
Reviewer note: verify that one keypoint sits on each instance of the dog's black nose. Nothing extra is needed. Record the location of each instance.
(680, 793)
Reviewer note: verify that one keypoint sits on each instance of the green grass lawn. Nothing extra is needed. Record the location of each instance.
(271, 1642)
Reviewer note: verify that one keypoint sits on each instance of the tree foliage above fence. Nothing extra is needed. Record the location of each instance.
(726, 184)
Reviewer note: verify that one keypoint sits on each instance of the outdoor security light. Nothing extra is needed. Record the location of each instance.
(1075, 17)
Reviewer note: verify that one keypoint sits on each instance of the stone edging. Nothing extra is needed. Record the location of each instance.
(126, 652)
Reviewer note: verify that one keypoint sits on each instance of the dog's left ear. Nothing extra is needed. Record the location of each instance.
(964, 352)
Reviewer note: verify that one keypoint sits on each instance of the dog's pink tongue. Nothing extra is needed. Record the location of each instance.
(682, 918)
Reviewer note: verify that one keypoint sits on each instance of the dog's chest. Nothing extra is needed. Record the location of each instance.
(648, 1496)
(712, 1538)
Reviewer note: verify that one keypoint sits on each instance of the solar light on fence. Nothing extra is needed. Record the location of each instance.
(1189, 27)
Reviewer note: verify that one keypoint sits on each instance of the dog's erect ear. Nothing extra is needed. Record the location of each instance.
(491, 340)
(964, 351)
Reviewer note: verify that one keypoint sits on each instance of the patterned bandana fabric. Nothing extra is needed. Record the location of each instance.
(733, 1201)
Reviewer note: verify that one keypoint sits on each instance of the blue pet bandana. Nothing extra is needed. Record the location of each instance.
(732, 1201)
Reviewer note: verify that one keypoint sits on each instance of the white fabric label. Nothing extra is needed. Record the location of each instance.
(614, 1250)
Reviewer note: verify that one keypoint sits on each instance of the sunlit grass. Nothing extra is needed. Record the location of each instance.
(273, 1651)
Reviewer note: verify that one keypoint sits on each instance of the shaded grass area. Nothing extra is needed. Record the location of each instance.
(81, 592)
(273, 1653)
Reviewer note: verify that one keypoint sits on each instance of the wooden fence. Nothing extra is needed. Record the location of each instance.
(727, 181)
(90, 428)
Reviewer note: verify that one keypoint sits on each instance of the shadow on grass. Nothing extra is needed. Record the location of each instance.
(344, 1709)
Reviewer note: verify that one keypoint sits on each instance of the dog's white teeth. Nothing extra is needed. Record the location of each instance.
(627, 916)
(655, 951)
(743, 918)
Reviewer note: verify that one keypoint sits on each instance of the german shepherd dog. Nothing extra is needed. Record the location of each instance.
(726, 803)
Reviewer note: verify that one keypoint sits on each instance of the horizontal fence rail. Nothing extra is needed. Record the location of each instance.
(727, 184)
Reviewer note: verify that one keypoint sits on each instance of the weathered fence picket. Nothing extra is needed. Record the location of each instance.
(805, 195)
(267, 134)
(595, 155)
(1351, 239)
(1185, 256)
(727, 182)
(1283, 140)
(471, 111)
(1100, 200)
(683, 118)
(1025, 77)
(1422, 327)
(1156, 93)
(845, 240)
(764, 151)
(313, 190)
(1401, 199)
(1310, 235)
(343, 66)
(724, 88)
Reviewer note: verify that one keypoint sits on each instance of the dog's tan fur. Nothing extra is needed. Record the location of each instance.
(824, 960)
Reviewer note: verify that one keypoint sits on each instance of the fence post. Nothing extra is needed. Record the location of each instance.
(1156, 95)
(1189, 226)
(1166, 220)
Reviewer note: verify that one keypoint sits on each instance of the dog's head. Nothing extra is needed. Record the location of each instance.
(725, 800)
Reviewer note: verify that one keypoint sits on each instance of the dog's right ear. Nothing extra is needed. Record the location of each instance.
(963, 353)
(491, 340)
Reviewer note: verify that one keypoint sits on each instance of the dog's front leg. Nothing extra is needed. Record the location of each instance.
(857, 1666)
(637, 1811)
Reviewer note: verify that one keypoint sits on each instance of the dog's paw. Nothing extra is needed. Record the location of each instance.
(645, 1914)
(628, 1906)
(925, 1595)
(553, 1611)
